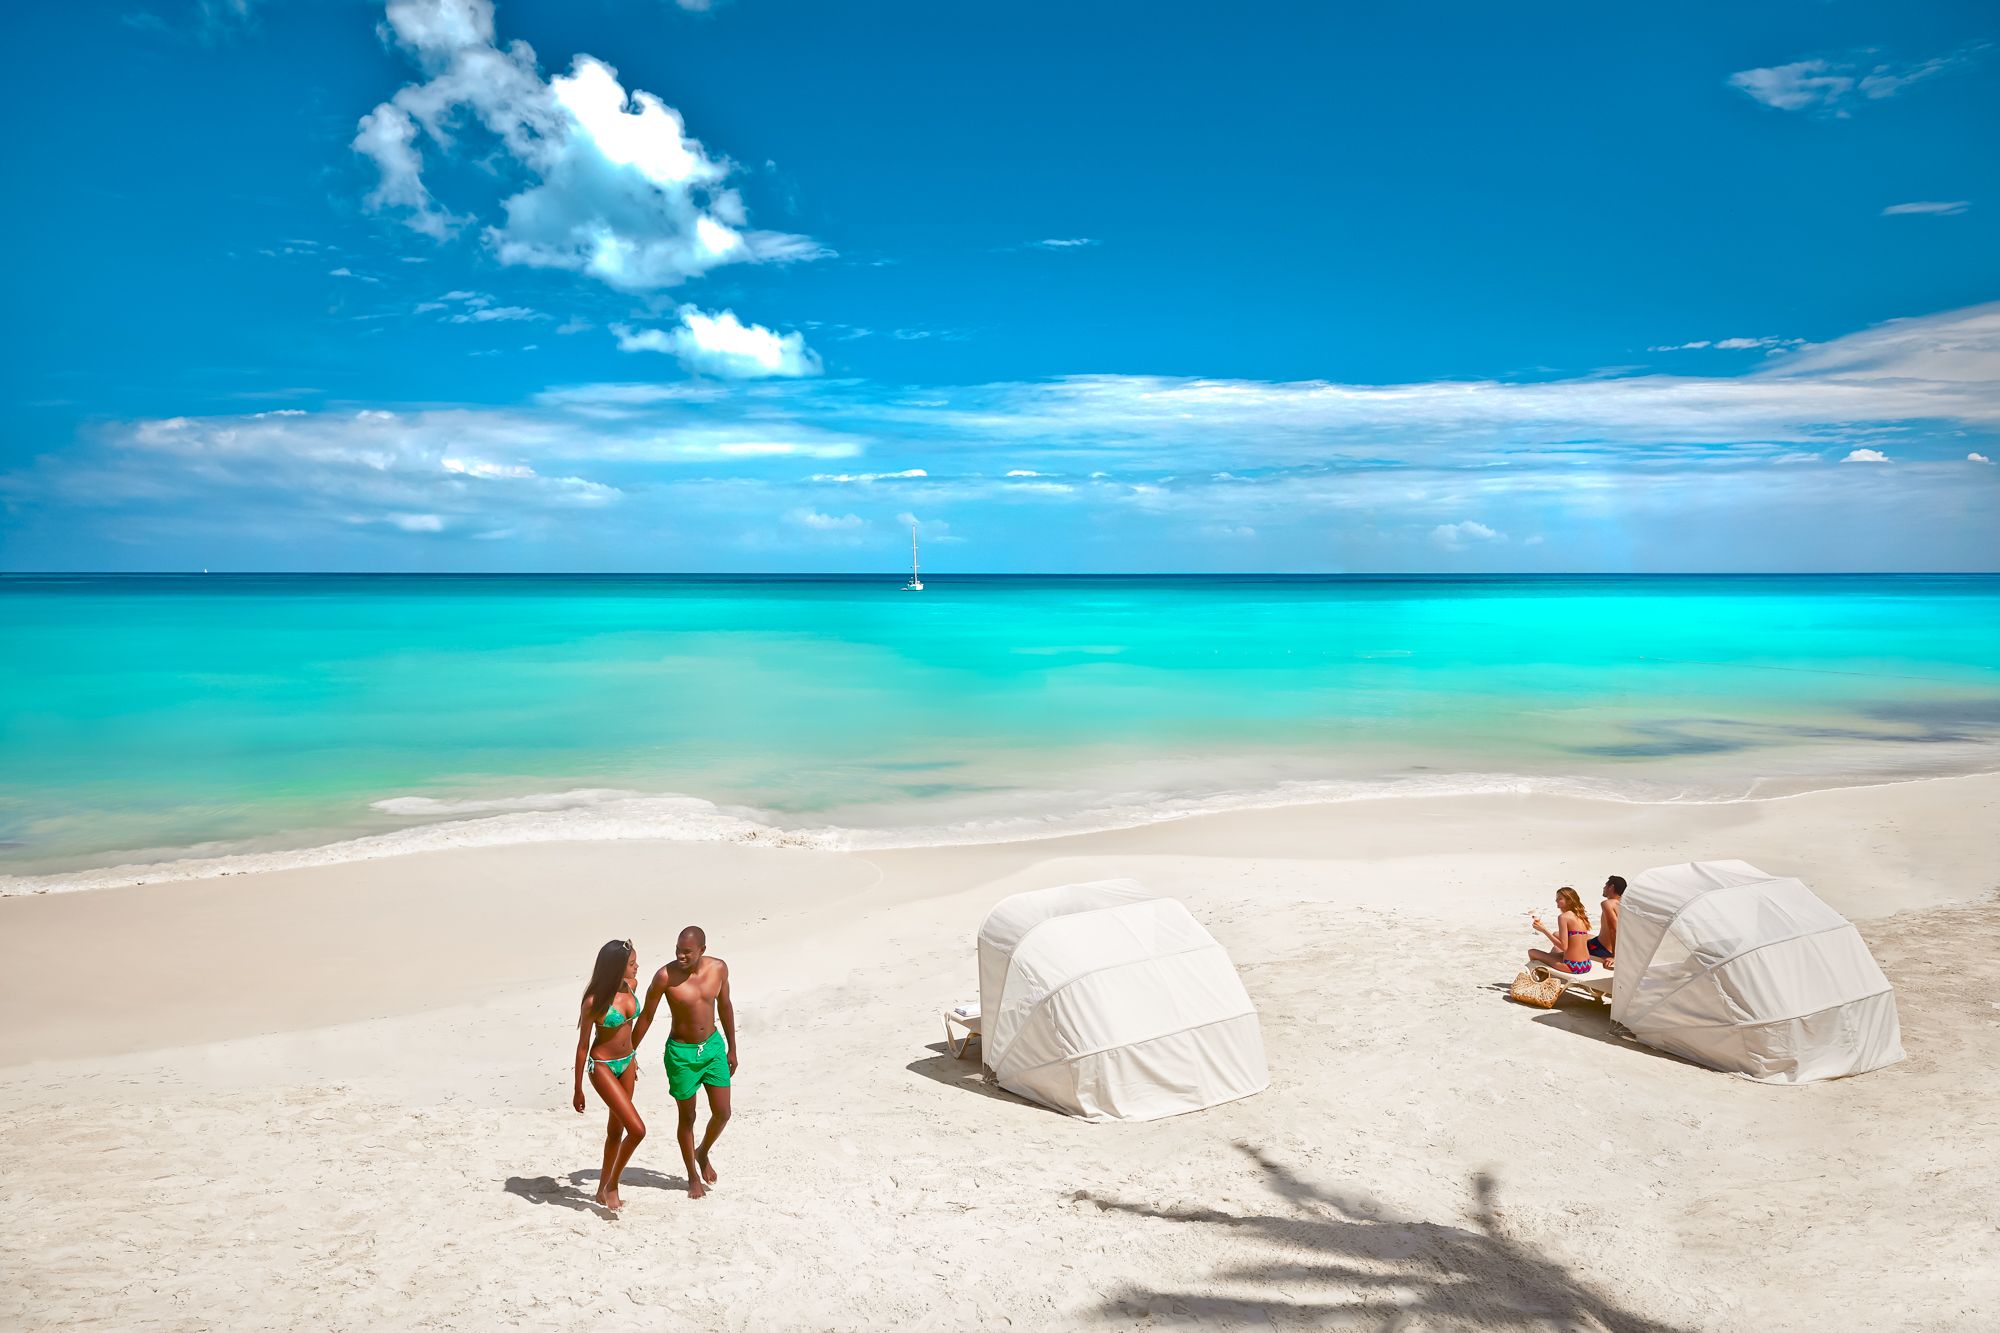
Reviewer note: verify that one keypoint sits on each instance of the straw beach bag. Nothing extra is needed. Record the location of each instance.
(1539, 986)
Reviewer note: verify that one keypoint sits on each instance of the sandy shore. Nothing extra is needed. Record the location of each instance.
(337, 1097)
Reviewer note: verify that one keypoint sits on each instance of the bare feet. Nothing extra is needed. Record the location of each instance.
(707, 1169)
(695, 1187)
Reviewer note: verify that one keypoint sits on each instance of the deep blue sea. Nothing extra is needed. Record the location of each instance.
(158, 718)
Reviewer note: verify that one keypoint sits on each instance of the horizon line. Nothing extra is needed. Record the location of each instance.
(891, 575)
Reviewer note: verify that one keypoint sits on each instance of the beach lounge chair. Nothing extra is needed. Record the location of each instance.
(1594, 985)
(961, 1025)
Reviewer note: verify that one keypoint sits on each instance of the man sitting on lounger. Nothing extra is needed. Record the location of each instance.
(1604, 944)
(700, 1053)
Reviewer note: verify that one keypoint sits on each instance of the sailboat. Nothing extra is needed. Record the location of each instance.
(916, 584)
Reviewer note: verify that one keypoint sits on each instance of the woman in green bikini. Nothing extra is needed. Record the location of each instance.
(604, 1053)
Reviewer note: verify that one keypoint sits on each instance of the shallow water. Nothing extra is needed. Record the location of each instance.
(153, 717)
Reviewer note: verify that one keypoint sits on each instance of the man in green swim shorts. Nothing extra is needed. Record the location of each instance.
(696, 989)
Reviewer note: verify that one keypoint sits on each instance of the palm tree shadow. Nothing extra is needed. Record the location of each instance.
(1398, 1274)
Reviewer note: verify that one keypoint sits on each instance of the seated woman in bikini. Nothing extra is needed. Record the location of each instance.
(1571, 946)
(604, 1054)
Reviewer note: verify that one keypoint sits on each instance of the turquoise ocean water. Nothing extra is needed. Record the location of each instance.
(159, 718)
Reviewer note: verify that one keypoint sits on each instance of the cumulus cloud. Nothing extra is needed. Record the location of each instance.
(615, 187)
(1927, 208)
(1866, 456)
(828, 529)
(724, 346)
(1830, 85)
(1977, 458)
(1023, 472)
(1458, 536)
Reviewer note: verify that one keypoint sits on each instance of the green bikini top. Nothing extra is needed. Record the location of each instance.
(615, 1019)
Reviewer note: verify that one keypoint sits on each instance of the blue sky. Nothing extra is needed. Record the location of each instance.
(620, 284)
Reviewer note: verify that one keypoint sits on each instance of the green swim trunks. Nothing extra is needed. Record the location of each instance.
(689, 1066)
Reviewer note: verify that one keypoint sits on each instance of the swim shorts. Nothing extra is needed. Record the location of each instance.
(690, 1066)
(1597, 949)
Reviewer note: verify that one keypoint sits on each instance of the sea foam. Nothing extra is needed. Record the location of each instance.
(608, 814)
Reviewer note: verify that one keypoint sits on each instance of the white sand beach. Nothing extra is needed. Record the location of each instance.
(338, 1097)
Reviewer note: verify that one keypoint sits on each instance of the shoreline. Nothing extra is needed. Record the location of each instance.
(599, 815)
(341, 940)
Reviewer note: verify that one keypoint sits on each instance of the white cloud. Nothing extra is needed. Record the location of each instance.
(1866, 456)
(867, 478)
(1458, 536)
(818, 522)
(1829, 85)
(485, 314)
(1977, 458)
(417, 522)
(828, 529)
(934, 531)
(724, 346)
(1796, 86)
(619, 190)
(1023, 472)
(345, 272)
(1731, 344)
(1927, 208)
(1065, 243)
(1417, 465)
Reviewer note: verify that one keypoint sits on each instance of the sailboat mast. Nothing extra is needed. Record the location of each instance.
(913, 552)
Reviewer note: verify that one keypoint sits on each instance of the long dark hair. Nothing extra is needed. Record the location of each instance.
(607, 978)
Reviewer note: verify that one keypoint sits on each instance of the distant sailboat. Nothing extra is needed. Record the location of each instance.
(916, 584)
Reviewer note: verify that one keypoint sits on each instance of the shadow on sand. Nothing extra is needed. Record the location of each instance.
(575, 1190)
(1368, 1270)
(943, 1067)
(1592, 1019)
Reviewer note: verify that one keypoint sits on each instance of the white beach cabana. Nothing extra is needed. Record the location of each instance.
(1750, 973)
(1109, 1002)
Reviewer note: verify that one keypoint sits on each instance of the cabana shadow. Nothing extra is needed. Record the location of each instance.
(943, 1067)
(1396, 1274)
(1589, 1018)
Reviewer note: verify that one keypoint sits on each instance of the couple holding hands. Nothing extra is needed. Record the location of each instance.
(613, 1022)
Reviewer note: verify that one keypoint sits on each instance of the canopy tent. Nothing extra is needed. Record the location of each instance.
(1110, 1003)
(1750, 973)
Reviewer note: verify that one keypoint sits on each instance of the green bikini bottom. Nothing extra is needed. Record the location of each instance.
(617, 1067)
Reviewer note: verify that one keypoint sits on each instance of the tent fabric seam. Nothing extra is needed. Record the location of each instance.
(1024, 936)
(1773, 1022)
(1745, 953)
(1127, 1045)
(1667, 926)
(1113, 967)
